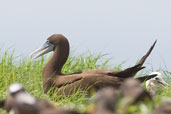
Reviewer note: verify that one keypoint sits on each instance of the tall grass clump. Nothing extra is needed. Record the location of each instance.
(27, 72)
(14, 69)
(23, 71)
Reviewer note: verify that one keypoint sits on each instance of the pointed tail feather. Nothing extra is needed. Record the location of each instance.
(130, 72)
(145, 78)
(142, 60)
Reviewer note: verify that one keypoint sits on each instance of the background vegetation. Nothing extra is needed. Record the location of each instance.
(13, 69)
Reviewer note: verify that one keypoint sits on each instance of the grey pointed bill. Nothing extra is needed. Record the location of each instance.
(162, 82)
(45, 48)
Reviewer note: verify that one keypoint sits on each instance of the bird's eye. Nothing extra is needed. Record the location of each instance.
(47, 41)
(157, 79)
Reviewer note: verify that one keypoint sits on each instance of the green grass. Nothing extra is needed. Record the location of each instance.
(13, 69)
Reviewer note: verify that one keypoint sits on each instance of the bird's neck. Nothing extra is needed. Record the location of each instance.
(55, 64)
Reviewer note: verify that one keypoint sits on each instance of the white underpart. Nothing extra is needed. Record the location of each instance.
(153, 84)
(12, 112)
(15, 87)
(24, 98)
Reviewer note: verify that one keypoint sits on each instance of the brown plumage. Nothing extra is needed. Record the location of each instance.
(106, 100)
(13, 91)
(67, 83)
(163, 109)
(132, 90)
(132, 93)
(20, 102)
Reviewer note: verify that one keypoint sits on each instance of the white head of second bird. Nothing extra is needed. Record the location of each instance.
(154, 83)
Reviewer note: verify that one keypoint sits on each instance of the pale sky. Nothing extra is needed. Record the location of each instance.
(125, 29)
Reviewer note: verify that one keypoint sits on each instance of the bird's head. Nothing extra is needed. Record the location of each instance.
(156, 81)
(15, 89)
(50, 45)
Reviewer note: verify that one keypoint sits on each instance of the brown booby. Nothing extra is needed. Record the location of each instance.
(68, 83)
(13, 91)
(155, 83)
(20, 102)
